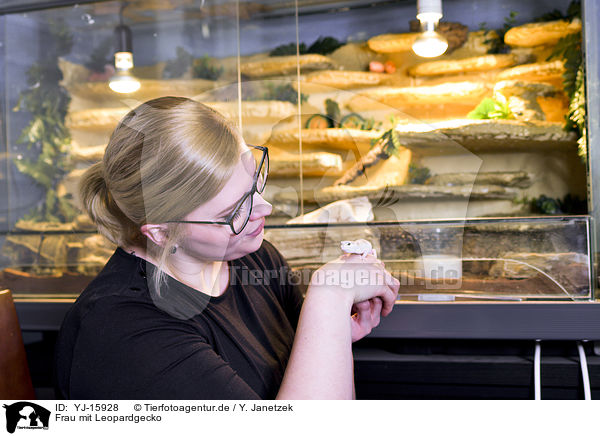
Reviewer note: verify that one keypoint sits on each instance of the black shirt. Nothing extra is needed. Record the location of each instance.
(120, 340)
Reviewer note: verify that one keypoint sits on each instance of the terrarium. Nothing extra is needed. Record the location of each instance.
(467, 169)
(503, 259)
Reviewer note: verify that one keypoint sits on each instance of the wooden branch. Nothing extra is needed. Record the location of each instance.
(374, 155)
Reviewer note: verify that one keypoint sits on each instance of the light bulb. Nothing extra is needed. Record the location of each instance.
(123, 83)
(430, 44)
(123, 60)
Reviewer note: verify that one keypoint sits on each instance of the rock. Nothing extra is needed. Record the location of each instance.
(402, 192)
(461, 135)
(284, 164)
(455, 33)
(357, 209)
(522, 98)
(518, 179)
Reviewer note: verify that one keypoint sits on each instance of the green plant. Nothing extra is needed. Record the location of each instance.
(418, 175)
(577, 113)
(391, 142)
(47, 102)
(204, 69)
(333, 111)
(491, 109)
(178, 66)
(355, 121)
(288, 49)
(568, 49)
(569, 204)
(284, 93)
(370, 124)
(496, 39)
(323, 46)
(573, 11)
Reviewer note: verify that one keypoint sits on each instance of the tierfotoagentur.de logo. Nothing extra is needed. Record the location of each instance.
(24, 415)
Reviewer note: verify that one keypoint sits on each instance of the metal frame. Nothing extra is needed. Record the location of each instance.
(591, 45)
(518, 321)
(522, 321)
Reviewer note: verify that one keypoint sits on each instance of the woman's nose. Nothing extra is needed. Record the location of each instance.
(260, 208)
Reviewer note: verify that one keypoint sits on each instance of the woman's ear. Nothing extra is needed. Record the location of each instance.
(157, 233)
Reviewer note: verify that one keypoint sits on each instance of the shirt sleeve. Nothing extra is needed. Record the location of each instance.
(124, 351)
(291, 295)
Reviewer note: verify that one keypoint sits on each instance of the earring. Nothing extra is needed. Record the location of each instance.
(173, 249)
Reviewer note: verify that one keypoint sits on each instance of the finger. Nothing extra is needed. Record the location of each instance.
(376, 306)
(363, 305)
(392, 281)
(364, 316)
(388, 297)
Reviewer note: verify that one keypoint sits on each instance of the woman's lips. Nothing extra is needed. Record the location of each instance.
(259, 229)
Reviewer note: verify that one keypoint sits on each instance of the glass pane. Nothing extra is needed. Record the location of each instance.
(478, 131)
(359, 127)
(269, 97)
(60, 110)
(475, 260)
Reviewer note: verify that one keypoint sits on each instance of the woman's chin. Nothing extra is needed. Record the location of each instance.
(250, 244)
(257, 240)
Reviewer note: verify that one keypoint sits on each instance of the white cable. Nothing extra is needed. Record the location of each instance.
(537, 371)
(587, 393)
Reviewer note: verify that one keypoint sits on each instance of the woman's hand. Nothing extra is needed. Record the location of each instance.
(356, 280)
(365, 317)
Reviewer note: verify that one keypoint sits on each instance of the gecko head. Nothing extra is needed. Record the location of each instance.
(346, 244)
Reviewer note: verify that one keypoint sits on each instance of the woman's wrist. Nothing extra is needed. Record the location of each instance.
(338, 296)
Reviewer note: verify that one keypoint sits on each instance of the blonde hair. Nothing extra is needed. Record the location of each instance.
(165, 158)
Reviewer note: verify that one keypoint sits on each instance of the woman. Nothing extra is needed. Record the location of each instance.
(194, 304)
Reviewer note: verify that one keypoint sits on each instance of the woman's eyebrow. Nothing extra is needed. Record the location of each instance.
(230, 208)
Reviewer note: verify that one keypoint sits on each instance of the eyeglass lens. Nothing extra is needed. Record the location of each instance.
(262, 177)
(253, 159)
(242, 215)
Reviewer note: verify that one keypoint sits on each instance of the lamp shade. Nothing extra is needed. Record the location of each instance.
(123, 38)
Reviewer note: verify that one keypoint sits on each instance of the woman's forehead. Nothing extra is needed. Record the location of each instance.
(238, 184)
(248, 160)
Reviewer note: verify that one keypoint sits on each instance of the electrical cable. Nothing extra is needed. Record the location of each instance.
(537, 370)
(587, 393)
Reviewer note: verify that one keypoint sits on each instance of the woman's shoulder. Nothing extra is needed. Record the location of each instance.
(121, 281)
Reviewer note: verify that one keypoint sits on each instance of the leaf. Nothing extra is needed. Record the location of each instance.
(490, 108)
(204, 69)
(47, 102)
(333, 111)
(396, 142)
(324, 45)
(177, 67)
(418, 175)
(288, 49)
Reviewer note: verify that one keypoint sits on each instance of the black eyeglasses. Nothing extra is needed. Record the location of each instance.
(240, 216)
